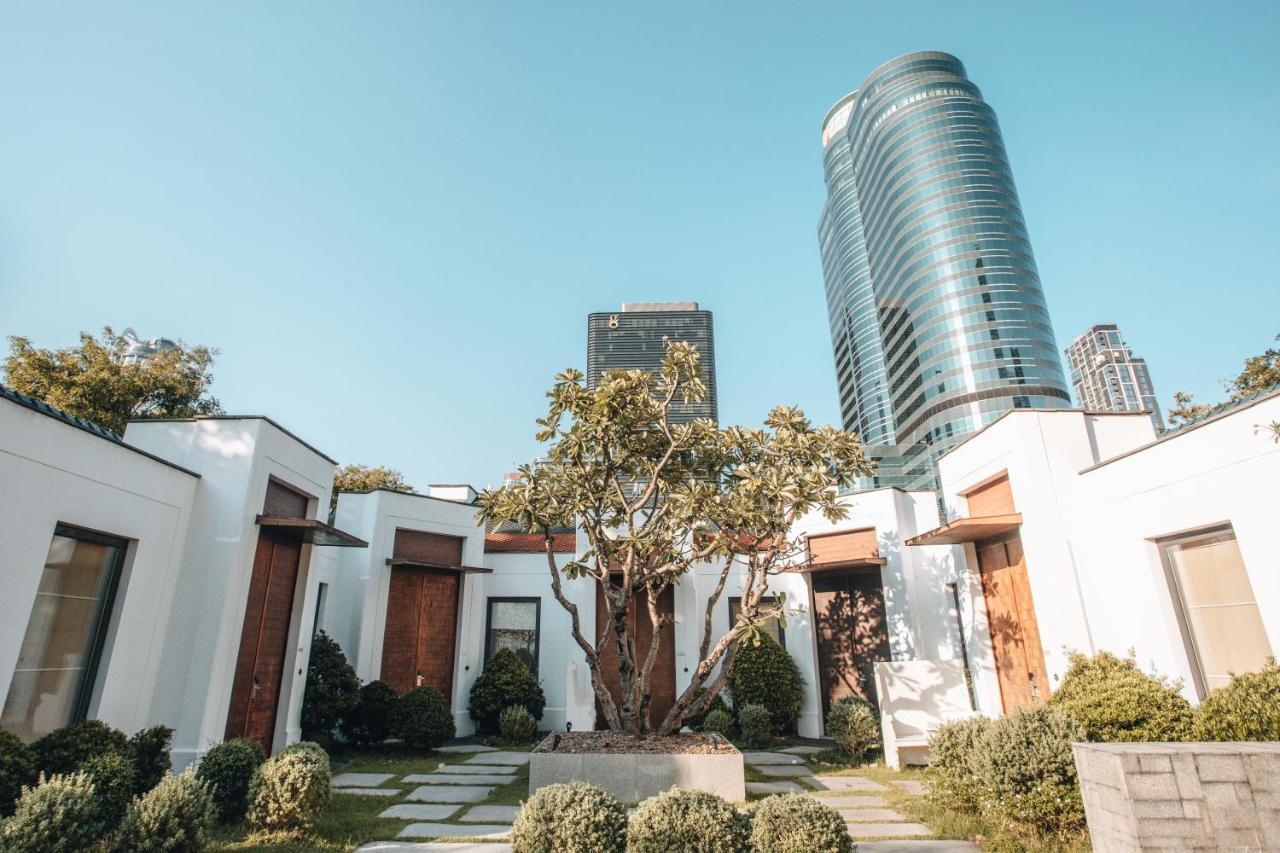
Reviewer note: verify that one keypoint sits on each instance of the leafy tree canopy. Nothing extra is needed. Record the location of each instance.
(656, 498)
(95, 382)
(363, 478)
(1260, 372)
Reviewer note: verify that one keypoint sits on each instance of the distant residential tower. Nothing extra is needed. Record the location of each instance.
(938, 320)
(636, 338)
(1106, 375)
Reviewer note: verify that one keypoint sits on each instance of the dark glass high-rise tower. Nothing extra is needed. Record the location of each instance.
(938, 320)
(636, 338)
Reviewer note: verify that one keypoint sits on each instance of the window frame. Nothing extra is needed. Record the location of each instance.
(768, 599)
(536, 601)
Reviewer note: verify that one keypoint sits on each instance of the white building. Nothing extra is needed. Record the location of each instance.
(177, 575)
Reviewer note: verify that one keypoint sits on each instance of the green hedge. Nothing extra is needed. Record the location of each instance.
(59, 815)
(764, 674)
(228, 770)
(686, 820)
(1115, 701)
(369, 721)
(504, 681)
(17, 768)
(173, 817)
(1246, 709)
(795, 823)
(290, 790)
(572, 818)
(332, 686)
(422, 719)
(855, 725)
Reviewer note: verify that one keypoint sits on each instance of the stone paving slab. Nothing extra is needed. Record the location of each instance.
(516, 759)
(463, 769)
(467, 747)
(369, 792)
(870, 815)
(450, 793)
(852, 802)
(420, 811)
(435, 847)
(453, 830)
(844, 783)
(455, 779)
(773, 770)
(760, 759)
(493, 814)
(361, 780)
(917, 847)
(912, 786)
(774, 788)
(886, 830)
(806, 750)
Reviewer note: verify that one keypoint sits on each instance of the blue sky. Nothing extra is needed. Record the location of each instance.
(393, 218)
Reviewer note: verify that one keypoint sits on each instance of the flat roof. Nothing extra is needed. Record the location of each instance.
(26, 401)
(292, 435)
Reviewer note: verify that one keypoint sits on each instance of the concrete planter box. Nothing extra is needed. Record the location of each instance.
(635, 776)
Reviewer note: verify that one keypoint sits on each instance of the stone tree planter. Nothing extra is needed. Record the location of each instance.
(632, 769)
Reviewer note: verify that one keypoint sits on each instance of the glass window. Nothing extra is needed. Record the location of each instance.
(770, 626)
(1219, 611)
(513, 624)
(63, 643)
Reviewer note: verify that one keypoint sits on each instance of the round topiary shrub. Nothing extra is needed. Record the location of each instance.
(697, 721)
(17, 768)
(757, 725)
(422, 719)
(1115, 701)
(149, 749)
(332, 686)
(573, 818)
(369, 722)
(1026, 773)
(517, 725)
(114, 781)
(290, 790)
(791, 823)
(953, 783)
(64, 750)
(173, 817)
(227, 770)
(59, 815)
(505, 681)
(1246, 708)
(855, 726)
(719, 721)
(764, 674)
(680, 819)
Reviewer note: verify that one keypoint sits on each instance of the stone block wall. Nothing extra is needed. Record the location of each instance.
(1181, 796)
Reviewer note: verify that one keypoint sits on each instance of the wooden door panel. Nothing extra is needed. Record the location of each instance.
(436, 638)
(852, 633)
(264, 641)
(400, 636)
(662, 680)
(1015, 638)
(421, 630)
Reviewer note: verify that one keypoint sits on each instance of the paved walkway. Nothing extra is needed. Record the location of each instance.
(449, 803)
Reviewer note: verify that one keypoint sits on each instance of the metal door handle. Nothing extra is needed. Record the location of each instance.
(419, 681)
(257, 688)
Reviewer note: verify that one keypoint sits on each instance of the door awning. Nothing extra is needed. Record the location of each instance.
(838, 565)
(395, 562)
(969, 530)
(311, 531)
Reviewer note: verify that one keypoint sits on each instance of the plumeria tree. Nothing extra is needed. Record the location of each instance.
(654, 500)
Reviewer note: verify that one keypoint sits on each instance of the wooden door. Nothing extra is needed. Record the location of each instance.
(852, 634)
(662, 681)
(264, 640)
(419, 640)
(1011, 618)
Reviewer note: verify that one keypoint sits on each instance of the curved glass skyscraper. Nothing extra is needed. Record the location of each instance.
(938, 320)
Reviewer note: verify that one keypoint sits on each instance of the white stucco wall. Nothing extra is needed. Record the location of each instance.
(52, 472)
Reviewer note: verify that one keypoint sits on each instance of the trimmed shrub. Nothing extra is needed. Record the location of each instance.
(290, 790)
(696, 721)
(1247, 708)
(572, 818)
(173, 817)
(505, 681)
(1115, 701)
(517, 725)
(685, 820)
(422, 719)
(764, 674)
(149, 749)
(369, 721)
(309, 747)
(1026, 774)
(59, 815)
(17, 768)
(855, 726)
(64, 750)
(228, 770)
(719, 721)
(757, 725)
(953, 782)
(114, 780)
(332, 686)
(791, 823)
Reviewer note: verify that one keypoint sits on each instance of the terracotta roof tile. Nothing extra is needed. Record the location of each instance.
(528, 543)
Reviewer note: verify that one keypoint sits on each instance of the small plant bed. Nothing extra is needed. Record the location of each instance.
(620, 744)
